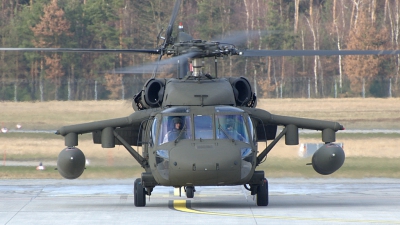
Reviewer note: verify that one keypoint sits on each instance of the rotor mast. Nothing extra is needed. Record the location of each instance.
(198, 64)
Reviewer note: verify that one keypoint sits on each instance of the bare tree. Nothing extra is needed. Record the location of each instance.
(314, 32)
(48, 32)
(296, 15)
(392, 12)
(339, 17)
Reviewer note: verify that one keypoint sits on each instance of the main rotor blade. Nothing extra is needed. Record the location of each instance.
(240, 37)
(155, 69)
(149, 51)
(171, 22)
(160, 65)
(258, 53)
(168, 34)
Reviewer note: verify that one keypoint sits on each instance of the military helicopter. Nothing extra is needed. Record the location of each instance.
(198, 129)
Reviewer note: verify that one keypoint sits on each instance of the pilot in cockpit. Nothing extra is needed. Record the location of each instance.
(175, 132)
(232, 132)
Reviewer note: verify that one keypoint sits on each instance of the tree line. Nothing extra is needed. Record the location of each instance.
(293, 24)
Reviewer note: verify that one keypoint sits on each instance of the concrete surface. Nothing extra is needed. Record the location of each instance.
(292, 200)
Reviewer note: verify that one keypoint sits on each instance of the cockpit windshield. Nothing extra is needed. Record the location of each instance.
(223, 123)
(203, 128)
(174, 128)
(231, 127)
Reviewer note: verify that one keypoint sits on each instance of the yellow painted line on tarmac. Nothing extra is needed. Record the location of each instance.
(182, 206)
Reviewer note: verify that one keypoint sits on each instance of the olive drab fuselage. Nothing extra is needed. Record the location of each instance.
(215, 142)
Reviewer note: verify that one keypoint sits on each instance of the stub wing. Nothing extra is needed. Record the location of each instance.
(326, 160)
(121, 131)
(265, 119)
(129, 125)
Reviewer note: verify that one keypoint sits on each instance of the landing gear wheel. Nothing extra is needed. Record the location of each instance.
(190, 191)
(262, 193)
(139, 193)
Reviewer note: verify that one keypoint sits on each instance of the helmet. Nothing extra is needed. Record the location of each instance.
(230, 123)
(176, 120)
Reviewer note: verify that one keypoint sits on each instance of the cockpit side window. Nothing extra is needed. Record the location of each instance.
(153, 131)
(174, 128)
(252, 130)
(203, 127)
(231, 127)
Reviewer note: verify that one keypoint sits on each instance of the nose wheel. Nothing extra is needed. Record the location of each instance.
(190, 191)
(139, 193)
(262, 193)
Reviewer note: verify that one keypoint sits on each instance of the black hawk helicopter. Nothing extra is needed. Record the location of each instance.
(198, 129)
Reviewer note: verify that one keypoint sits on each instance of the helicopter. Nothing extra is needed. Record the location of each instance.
(198, 129)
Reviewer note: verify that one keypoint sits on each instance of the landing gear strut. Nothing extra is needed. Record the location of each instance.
(139, 193)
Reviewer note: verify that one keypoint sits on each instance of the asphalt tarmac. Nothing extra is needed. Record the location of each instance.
(292, 201)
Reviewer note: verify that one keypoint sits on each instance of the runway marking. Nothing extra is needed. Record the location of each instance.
(185, 206)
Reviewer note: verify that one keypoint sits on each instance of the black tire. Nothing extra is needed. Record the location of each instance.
(189, 192)
(262, 194)
(139, 193)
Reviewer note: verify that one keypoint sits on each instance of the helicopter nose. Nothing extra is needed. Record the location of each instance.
(205, 164)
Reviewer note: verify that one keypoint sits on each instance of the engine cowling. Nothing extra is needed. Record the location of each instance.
(151, 95)
(242, 90)
(71, 163)
(327, 159)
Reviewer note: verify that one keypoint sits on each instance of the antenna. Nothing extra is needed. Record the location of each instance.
(216, 67)
(178, 70)
(159, 36)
